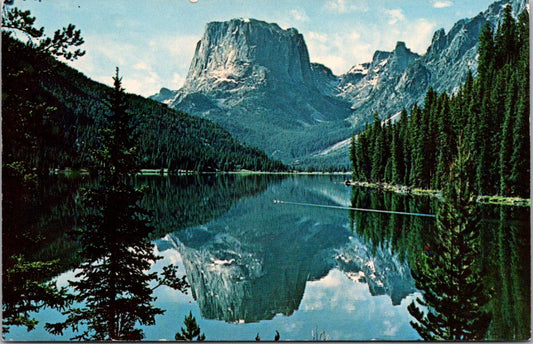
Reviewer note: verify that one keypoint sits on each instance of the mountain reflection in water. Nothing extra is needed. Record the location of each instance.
(256, 266)
(254, 261)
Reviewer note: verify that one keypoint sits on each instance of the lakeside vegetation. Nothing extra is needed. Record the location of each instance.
(489, 115)
(500, 200)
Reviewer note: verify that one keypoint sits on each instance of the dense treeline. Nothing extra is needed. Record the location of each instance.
(489, 114)
(71, 113)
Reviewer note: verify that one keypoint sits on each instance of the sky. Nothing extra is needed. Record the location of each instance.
(153, 41)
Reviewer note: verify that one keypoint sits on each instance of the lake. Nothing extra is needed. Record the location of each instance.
(305, 268)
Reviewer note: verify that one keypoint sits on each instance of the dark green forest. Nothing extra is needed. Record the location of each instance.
(489, 115)
(52, 114)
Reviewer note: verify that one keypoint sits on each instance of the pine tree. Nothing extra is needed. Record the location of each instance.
(506, 136)
(116, 248)
(27, 130)
(506, 43)
(486, 51)
(520, 155)
(397, 158)
(429, 134)
(362, 149)
(417, 147)
(449, 279)
(445, 149)
(378, 151)
(353, 155)
(191, 330)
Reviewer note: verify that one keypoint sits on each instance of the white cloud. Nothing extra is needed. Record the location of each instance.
(145, 67)
(317, 36)
(323, 49)
(142, 65)
(299, 15)
(177, 81)
(345, 6)
(417, 35)
(339, 51)
(395, 15)
(442, 4)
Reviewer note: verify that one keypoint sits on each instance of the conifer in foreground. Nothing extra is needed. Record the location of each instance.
(450, 278)
(113, 285)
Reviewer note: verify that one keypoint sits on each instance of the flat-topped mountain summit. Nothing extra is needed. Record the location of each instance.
(256, 80)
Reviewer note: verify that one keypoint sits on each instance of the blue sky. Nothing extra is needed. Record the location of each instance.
(153, 41)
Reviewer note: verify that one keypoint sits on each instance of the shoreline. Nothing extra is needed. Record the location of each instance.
(406, 190)
(164, 172)
(400, 189)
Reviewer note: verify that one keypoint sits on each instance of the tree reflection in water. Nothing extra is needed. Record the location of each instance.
(449, 275)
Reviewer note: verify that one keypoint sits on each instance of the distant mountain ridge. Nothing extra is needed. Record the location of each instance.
(256, 80)
(444, 67)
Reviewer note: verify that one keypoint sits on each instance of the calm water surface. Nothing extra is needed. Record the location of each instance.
(256, 266)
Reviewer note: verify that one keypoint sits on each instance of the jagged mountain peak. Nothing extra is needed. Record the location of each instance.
(401, 47)
(380, 55)
(402, 56)
(255, 79)
(407, 75)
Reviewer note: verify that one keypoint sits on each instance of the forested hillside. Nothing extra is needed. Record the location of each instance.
(52, 115)
(489, 115)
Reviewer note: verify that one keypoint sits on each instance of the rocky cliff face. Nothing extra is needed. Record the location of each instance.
(248, 58)
(240, 55)
(444, 66)
(255, 79)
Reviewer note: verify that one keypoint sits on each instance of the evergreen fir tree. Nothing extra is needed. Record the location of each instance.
(191, 330)
(116, 250)
(417, 147)
(506, 43)
(397, 158)
(353, 155)
(519, 160)
(520, 156)
(506, 136)
(362, 149)
(449, 278)
(378, 151)
(486, 51)
(444, 142)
